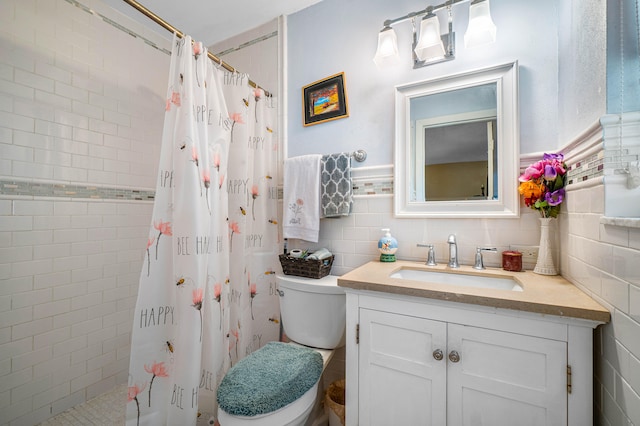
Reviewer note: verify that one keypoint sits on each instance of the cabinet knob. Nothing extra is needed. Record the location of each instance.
(454, 356)
(438, 355)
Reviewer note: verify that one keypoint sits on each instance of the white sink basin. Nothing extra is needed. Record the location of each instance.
(464, 280)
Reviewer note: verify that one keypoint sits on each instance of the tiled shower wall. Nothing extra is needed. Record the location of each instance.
(81, 113)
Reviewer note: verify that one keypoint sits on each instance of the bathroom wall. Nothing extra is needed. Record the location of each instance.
(81, 113)
(566, 86)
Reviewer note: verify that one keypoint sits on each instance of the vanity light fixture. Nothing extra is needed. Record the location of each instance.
(429, 45)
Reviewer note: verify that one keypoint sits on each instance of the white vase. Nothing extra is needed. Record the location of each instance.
(544, 264)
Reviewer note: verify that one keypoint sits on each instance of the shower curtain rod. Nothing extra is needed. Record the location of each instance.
(167, 26)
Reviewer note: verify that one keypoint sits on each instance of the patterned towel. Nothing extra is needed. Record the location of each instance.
(335, 185)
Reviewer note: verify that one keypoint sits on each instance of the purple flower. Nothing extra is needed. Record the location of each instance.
(554, 198)
(558, 157)
(550, 172)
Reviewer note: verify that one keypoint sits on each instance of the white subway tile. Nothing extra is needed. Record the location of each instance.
(93, 85)
(87, 301)
(50, 338)
(51, 71)
(52, 157)
(16, 254)
(86, 248)
(30, 359)
(30, 298)
(103, 152)
(615, 292)
(66, 374)
(70, 346)
(69, 235)
(16, 223)
(53, 100)
(32, 208)
(69, 263)
(72, 92)
(33, 80)
(16, 285)
(17, 90)
(31, 328)
(34, 267)
(68, 118)
(30, 108)
(117, 118)
(51, 394)
(50, 309)
(47, 251)
(91, 111)
(29, 170)
(86, 221)
(53, 129)
(33, 140)
(53, 364)
(51, 280)
(626, 265)
(101, 177)
(86, 380)
(51, 222)
(17, 122)
(16, 152)
(31, 238)
(70, 174)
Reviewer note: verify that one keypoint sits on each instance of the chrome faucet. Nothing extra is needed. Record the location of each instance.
(453, 252)
(479, 263)
(431, 257)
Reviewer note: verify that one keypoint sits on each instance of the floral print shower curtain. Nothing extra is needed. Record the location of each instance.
(207, 286)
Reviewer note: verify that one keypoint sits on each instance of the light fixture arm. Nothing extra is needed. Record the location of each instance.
(425, 11)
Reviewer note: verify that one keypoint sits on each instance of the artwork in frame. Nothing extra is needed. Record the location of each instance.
(324, 100)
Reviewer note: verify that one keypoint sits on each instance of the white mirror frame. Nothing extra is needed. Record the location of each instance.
(508, 130)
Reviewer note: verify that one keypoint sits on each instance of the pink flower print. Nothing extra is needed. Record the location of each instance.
(216, 161)
(236, 117)
(156, 370)
(236, 334)
(164, 228)
(197, 51)
(217, 294)
(257, 94)
(149, 244)
(235, 228)
(175, 98)
(206, 178)
(197, 303)
(296, 208)
(132, 395)
(253, 291)
(220, 181)
(167, 107)
(194, 155)
(254, 195)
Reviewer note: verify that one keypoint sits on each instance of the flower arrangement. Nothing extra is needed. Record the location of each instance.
(542, 184)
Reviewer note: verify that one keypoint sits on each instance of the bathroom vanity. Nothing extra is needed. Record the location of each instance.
(428, 351)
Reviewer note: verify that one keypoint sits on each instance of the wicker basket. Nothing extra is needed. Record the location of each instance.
(308, 268)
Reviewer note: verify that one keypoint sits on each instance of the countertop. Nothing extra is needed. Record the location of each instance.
(552, 295)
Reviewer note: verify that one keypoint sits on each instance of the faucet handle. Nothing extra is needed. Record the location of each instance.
(431, 257)
(479, 262)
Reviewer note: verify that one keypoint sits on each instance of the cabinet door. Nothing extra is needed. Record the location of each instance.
(505, 379)
(400, 381)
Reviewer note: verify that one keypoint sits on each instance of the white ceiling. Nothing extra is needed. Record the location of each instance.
(212, 21)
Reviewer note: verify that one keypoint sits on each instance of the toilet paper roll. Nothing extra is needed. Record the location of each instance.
(295, 253)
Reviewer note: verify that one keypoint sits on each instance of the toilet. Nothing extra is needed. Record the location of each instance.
(277, 385)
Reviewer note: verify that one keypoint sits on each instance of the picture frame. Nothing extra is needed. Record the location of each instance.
(324, 100)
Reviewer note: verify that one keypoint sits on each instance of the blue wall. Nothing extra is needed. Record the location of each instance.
(338, 35)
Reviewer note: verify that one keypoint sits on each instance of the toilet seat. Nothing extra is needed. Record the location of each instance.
(275, 378)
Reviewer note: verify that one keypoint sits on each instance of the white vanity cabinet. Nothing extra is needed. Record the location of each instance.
(418, 361)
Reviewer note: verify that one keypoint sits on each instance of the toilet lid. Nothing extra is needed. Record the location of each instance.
(268, 379)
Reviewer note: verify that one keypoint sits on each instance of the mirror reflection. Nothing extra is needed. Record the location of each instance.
(455, 141)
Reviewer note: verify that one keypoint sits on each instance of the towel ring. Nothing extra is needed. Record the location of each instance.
(360, 155)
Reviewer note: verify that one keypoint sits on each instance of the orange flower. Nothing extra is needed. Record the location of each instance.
(531, 189)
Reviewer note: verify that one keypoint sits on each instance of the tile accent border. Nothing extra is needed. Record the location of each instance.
(11, 188)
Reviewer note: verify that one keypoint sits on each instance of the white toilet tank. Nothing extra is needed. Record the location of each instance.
(313, 310)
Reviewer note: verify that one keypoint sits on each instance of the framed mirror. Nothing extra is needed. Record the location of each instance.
(457, 145)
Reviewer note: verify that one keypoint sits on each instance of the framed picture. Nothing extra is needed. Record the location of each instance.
(324, 100)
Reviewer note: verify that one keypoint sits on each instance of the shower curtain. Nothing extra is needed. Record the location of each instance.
(207, 286)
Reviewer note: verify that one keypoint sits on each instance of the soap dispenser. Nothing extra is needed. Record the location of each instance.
(387, 245)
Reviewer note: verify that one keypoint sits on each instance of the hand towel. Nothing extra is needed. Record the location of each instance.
(336, 190)
(301, 197)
